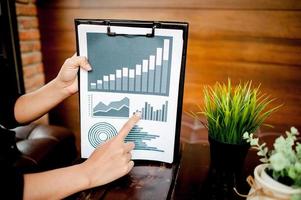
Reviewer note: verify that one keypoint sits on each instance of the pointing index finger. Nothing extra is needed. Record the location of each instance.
(127, 127)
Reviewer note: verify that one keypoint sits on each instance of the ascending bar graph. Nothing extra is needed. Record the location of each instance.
(149, 75)
(149, 113)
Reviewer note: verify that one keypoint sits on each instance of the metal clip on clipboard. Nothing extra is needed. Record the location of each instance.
(112, 34)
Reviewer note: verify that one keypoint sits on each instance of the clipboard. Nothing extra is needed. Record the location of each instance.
(136, 66)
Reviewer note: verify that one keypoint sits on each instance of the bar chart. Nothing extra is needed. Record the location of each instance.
(139, 137)
(149, 113)
(147, 71)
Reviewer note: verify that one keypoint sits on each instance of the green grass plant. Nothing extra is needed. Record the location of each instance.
(232, 111)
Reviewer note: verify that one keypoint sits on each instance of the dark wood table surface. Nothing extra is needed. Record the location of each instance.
(190, 178)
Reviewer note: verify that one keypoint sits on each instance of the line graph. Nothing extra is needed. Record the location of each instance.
(113, 109)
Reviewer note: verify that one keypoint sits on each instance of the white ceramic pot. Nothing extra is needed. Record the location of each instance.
(272, 190)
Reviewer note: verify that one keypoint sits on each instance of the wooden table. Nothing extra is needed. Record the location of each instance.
(190, 178)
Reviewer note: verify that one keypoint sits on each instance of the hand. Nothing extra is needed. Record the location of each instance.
(67, 77)
(112, 160)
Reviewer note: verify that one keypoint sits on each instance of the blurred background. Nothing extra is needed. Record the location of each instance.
(258, 40)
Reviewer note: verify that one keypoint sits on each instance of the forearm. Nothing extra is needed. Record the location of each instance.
(33, 105)
(107, 163)
(55, 184)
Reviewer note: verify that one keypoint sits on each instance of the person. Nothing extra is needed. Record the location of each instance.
(107, 163)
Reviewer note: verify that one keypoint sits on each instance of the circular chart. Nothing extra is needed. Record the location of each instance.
(100, 133)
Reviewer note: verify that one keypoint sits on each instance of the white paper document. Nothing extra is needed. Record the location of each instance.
(130, 73)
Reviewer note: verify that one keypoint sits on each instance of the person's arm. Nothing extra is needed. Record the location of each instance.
(107, 163)
(33, 105)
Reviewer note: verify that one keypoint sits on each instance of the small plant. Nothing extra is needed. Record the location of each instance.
(231, 112)
(284, 161)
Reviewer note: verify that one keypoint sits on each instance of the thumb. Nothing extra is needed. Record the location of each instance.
(75, 61)
(127, 127)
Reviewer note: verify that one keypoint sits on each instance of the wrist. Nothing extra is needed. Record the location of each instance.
(82, 178)
(61, 88)
(84, 175)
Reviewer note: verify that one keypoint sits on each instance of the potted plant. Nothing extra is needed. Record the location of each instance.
(280, 175)
(230, 111)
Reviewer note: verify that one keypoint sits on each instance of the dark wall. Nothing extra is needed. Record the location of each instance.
(11, 75)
